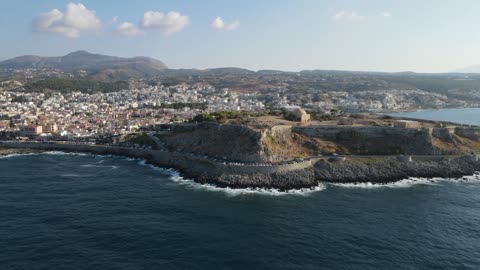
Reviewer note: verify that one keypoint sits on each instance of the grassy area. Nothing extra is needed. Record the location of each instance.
(223, 116)
(140, 139)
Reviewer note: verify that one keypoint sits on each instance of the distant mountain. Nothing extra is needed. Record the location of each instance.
(230, 71)
(471, 69)
(100, 67)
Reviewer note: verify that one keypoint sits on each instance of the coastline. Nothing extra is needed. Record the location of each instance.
(424, 109)
(18, 151)
(307, 174)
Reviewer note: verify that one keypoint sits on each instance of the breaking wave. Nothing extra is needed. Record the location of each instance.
(99, 166)
(189, 183)
(410, 182)
(18, 155)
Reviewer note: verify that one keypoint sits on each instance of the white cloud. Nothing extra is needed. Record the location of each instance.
(345, 15)
(219, 24)
(115, 19)
(129, 30)
(386, 15)
(167, 23)
(77, 18)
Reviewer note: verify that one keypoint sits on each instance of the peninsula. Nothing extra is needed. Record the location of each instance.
(291, 151)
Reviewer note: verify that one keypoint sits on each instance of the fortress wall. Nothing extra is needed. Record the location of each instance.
(468, 132)
(253, 169)
(443, 133)
(374, 140)
(332, 132)
(234, 142)
(280, 130)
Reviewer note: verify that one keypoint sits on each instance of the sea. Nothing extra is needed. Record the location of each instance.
(82, 211)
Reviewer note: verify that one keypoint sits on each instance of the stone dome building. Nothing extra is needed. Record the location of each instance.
(301, 115)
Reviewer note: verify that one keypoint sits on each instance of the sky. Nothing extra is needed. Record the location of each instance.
(291, 35)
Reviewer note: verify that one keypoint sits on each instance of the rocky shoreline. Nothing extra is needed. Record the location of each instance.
(18, 151)
(383, 171)
(351, 170)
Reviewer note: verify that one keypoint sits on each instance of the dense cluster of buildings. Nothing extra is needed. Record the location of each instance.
(84, 115)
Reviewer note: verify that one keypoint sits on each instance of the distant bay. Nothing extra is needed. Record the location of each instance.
(469, 116)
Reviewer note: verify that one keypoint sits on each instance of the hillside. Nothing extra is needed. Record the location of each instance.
(99, 67)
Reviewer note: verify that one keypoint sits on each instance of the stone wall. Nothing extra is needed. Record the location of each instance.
(233, 142)
(393, 141)
(468, 132)
(374, 140)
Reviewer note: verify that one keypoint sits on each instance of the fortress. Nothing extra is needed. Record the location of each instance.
(287, 157)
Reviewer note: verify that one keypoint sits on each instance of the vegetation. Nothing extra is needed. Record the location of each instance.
(19, 99)
(181, 105)
(140, 139)
(69, 85)
(223, 116)
(289, 115)
(322, 116)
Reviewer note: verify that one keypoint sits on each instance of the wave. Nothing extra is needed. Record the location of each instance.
(410, 182)
(191, 184)
(74, 175)
(244, 191)
(177, 178)
(99, 166)
(61, 153)
(18, 155)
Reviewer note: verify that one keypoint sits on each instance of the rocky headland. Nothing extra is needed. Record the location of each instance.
(298, 156)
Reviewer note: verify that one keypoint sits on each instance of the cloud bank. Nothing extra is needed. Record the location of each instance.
(167, 23)
(76, 19)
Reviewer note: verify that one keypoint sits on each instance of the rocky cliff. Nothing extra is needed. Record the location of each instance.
(229, 142)
(243, 144)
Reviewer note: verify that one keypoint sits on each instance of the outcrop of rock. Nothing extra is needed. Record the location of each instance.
(303, 174)
(243, 144)
(393, 169)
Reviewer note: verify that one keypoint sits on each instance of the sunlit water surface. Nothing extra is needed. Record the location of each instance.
(63, 211)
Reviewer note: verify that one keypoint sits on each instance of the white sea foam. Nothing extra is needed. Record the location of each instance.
(409, 182)
(472, 178)
(18, 155)
(175, 177)
(99, 166)
(190, 184)
(74, 175)
(61, 153)
(244, 191)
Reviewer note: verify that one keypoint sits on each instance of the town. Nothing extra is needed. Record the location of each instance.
(84, 115)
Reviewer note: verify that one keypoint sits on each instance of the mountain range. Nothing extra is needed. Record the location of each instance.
(470, 69)
(97, 66)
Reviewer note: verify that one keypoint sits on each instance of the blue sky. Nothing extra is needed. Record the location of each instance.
(423, 36)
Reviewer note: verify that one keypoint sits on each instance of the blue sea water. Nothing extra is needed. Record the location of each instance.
(470, 116)
(64, 211)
